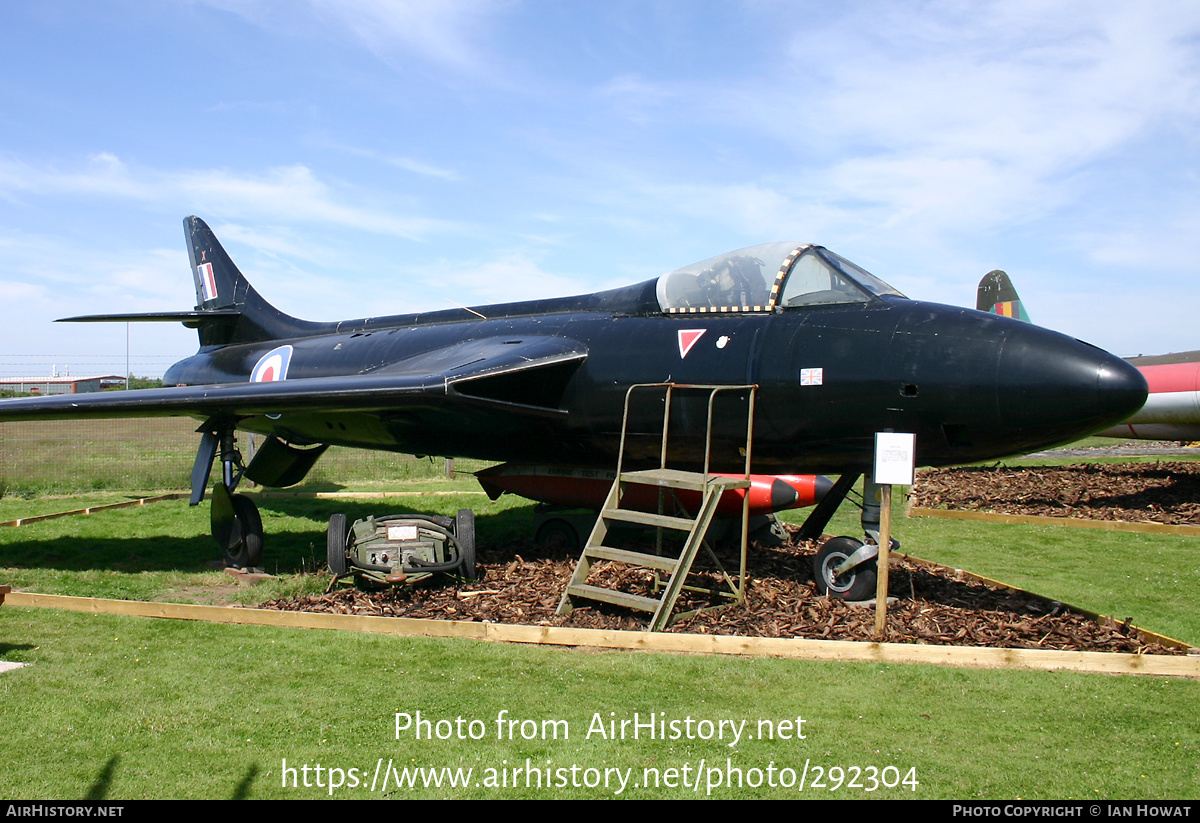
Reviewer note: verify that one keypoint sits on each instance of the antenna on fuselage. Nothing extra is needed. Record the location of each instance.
(461, 306)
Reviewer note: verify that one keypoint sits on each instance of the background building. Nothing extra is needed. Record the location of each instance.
(61, 384)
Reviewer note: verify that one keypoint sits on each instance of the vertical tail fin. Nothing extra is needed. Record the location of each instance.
(997, 295)
(216, 276)
(228, 309)
(240, 314)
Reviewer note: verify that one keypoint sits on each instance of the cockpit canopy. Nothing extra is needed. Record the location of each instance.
(766, 277)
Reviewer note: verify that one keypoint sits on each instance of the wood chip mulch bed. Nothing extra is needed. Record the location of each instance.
(1160, 492)
(522, 585)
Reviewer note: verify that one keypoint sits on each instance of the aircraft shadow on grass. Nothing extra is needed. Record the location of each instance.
(101, 787)
(8, 648)
(103, 784)
(292, 551)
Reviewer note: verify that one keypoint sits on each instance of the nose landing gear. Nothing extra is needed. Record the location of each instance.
(846, 568)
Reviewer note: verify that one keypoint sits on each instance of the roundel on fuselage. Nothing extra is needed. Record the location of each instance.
(272, 366)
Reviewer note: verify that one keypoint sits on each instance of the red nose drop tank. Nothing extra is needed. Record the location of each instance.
(572, 487)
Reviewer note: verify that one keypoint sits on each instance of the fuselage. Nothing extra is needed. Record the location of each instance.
(824, 356)
(970, 385)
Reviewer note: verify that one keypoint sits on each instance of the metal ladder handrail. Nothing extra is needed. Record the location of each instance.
(713, 390)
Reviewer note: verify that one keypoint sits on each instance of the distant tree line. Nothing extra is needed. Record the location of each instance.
(140, 383)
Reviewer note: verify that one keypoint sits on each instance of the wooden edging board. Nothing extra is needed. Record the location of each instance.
(1041, 520)
(360, 495)
(839, 650)
(141, 501)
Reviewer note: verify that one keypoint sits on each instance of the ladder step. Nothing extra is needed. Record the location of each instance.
(683, 524)
(629, 601)
(649, 561)
(677, 479)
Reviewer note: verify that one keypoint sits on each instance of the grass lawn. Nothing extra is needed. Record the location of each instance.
(126, 708)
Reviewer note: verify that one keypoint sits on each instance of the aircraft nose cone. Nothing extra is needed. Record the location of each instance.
(1122, 388)
(1063, 386)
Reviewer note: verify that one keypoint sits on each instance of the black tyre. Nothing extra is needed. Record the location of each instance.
(335, 544)
(248, 552)
(557, 535)
(856, 584)
(464, 534)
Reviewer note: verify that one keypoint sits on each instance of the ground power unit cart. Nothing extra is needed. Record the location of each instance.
(400, 549)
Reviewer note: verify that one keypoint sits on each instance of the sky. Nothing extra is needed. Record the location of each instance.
(362, 157)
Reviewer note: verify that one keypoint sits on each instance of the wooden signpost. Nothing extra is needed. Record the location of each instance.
(894, 460)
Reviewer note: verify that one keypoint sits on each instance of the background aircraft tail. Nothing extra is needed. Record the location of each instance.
(997, 295)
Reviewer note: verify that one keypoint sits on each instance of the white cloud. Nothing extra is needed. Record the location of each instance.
(449, 33)
(282, 193)
(47, 278)
(418, 167)
(277, 242)
(1029, 111)
(446, 31)
(16, 291)
(951, 117)
(409, 164)
(508, 276)
(56, 277)
(102, 174)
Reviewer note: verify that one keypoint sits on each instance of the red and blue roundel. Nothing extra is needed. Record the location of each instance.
(272, 366)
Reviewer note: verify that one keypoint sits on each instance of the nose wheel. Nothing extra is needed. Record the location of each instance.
(854, 583)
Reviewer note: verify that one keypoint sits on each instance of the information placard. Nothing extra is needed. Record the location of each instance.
(895, 454)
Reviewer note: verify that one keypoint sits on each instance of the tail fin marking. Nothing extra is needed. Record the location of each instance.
(997, 295)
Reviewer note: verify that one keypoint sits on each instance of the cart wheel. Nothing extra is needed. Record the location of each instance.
(464, 534)
(335, 544)
(856, 584)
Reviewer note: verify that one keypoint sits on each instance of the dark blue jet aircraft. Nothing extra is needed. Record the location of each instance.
(837, 354)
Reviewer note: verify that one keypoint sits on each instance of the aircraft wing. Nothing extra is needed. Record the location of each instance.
(526, 374)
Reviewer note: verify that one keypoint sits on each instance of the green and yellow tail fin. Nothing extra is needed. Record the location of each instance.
(997, 295)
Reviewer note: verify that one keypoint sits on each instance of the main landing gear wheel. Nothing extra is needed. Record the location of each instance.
(557, 536)
(335, 545)
(856, 584)
(248, 552)
(464, 534)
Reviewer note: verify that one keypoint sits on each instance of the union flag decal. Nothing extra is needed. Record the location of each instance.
(208, 283)
(812, 377)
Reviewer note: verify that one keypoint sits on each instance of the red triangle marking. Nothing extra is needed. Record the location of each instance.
(687, 339)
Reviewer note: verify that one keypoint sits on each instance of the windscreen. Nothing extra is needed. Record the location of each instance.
(820, 277)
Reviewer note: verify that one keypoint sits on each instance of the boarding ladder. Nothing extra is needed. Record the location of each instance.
(670, 572)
